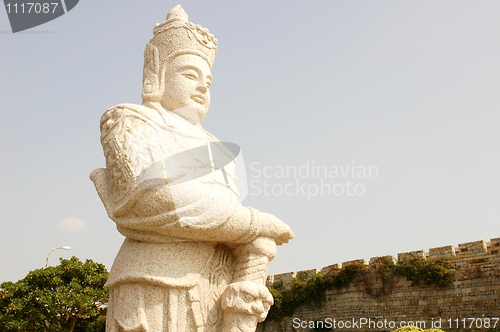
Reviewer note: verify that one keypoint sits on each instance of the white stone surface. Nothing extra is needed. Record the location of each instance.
(193, 259)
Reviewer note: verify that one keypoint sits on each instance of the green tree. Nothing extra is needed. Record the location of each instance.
(69, 297)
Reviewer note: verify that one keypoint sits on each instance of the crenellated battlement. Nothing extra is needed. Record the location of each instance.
(465, 252)
(474, 292)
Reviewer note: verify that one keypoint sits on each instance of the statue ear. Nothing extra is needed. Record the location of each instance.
(151, 89)
(229, 297)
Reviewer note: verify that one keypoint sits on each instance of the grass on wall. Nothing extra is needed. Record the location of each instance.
(431, 272)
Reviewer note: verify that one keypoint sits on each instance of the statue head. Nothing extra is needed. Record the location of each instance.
(249, 298)
(177, 64)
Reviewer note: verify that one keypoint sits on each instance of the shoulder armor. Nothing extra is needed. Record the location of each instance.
(116, 124)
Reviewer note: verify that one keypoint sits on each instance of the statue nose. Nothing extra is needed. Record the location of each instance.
(258, 307)
(203, 87)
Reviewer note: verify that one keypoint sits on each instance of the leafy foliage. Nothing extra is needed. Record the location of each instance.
(429, 272)
(311, 290)
(415, 329)
(68, 297)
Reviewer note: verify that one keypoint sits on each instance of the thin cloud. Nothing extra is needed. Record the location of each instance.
(73, 224)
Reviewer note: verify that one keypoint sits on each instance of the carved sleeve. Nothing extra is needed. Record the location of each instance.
(150, 214)
(115, 127)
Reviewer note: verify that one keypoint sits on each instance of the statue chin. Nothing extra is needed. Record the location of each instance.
(191, 113)
(201, 114)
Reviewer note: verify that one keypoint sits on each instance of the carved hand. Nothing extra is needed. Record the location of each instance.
(275, 228)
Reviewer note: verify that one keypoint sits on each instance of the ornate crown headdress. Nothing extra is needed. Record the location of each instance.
(173, 37)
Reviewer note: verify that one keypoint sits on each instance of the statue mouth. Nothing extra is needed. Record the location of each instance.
(199, 99)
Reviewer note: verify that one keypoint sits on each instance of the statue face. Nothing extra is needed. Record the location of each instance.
(187, 83)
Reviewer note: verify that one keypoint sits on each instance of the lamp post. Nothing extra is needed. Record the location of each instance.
(51, 250)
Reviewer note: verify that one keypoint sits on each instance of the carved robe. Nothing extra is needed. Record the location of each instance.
(180, 220)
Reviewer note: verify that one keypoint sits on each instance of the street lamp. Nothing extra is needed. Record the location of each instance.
(51, 250)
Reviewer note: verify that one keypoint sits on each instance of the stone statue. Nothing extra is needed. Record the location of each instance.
(194, 259)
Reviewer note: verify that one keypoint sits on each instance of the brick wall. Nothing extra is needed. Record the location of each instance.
(473, 294)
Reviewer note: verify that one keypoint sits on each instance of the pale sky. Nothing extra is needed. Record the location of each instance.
(408, 88)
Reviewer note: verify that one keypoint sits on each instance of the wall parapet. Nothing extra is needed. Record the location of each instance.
(465, 251)
(474, 292)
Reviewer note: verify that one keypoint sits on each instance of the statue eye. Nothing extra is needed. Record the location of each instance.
(209, 83)
(191, 76)
(248, 298)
